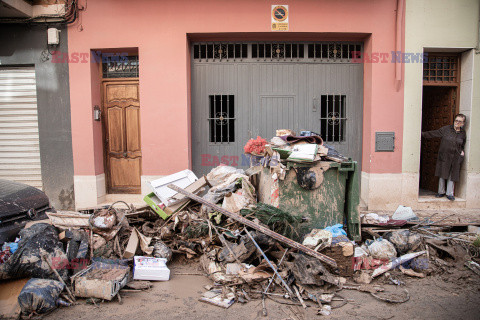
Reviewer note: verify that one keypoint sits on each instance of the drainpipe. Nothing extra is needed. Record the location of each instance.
(477, 49)
(398, 39)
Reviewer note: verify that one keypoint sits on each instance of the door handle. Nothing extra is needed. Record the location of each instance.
(316, 104)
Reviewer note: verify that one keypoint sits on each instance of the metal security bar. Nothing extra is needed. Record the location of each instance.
(219, 51)
(333, 118)
(221, 118)
(317, 52)
(333, 51)
(121, 67)
(277, 51)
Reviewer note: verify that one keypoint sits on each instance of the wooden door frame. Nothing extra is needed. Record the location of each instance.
(106, 165)
(455, 85)
(452, 109)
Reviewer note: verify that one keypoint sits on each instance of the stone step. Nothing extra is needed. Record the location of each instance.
(432, 203)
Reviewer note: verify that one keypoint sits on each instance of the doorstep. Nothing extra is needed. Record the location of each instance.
(135, 199)
(430, 202)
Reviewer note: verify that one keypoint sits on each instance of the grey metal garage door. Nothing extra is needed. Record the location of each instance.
(244, 90)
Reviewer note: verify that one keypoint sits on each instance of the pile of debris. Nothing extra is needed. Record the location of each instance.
(249, 249)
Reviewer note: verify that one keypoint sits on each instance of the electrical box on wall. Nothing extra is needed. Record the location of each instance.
(53, 36)
(384, 141)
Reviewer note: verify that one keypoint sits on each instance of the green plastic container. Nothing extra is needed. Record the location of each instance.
(336, 200)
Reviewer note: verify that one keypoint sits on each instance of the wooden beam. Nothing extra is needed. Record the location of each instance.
(331, 262)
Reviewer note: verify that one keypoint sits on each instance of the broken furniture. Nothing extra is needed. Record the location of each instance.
(102, 281)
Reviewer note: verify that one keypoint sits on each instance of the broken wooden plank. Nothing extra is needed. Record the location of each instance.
(331, 262)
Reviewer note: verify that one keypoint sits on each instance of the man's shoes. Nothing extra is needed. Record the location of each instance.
(451, 198)
(439, 195)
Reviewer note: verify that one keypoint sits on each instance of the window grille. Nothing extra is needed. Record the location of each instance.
(219, 51)
(440, 69)
(332, 51)
(121, 67)
(221, 118)
(333, 118)
(277, 50)
(317, 52)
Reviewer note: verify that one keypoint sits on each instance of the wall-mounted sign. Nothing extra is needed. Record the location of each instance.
(279, 17)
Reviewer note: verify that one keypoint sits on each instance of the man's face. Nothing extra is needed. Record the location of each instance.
(459, 122)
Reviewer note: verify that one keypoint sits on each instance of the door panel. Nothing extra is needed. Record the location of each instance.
(119, 180)
(438, 110)
(336, 102)
(122, 136)
(275, 112)
(132, 115)
(115, 125)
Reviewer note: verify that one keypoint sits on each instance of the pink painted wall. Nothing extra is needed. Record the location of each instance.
(161, 31)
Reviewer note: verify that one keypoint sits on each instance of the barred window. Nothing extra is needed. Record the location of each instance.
(333, 117)
(219, 51)
(121, 67)
(333, 50)
(221, 118)
(440, 69)
(277, 50)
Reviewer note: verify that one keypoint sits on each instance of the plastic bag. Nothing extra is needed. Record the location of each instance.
(161, 250)
(336, 230)
(242, 198)
(11, 246)
(382, 249)
(318, 237)
(404, 213)
(220, 174)
(404, 240)
(27, 262)
(39, 296)
(232, 184)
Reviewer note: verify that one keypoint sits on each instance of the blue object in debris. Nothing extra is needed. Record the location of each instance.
(12, 246)
(336, 230)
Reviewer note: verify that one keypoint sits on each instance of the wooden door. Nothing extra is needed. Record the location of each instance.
(123, 155)
(438, 110)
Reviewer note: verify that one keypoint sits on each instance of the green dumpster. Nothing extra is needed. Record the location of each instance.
(321, 202)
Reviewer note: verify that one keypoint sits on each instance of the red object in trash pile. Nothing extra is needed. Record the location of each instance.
(256, 147)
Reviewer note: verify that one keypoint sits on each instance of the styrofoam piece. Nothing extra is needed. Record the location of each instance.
(148, 268)
(181, 179)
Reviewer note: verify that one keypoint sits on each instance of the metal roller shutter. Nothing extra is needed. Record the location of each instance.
(19, 139)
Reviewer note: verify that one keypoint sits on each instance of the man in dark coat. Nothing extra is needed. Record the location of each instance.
(450, 154)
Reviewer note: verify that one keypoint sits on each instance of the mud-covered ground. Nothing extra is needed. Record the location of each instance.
(453, 294)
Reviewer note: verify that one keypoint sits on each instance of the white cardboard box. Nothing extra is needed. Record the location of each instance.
(149, 268)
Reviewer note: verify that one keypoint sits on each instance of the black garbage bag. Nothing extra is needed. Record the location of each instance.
(39, 296)
(40, 239)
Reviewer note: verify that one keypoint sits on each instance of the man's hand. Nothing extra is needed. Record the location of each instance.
(462, 154)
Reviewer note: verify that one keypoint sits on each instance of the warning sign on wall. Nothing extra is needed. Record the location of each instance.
(279, 17)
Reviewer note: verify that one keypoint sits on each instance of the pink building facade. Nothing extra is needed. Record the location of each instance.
(164, 36)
